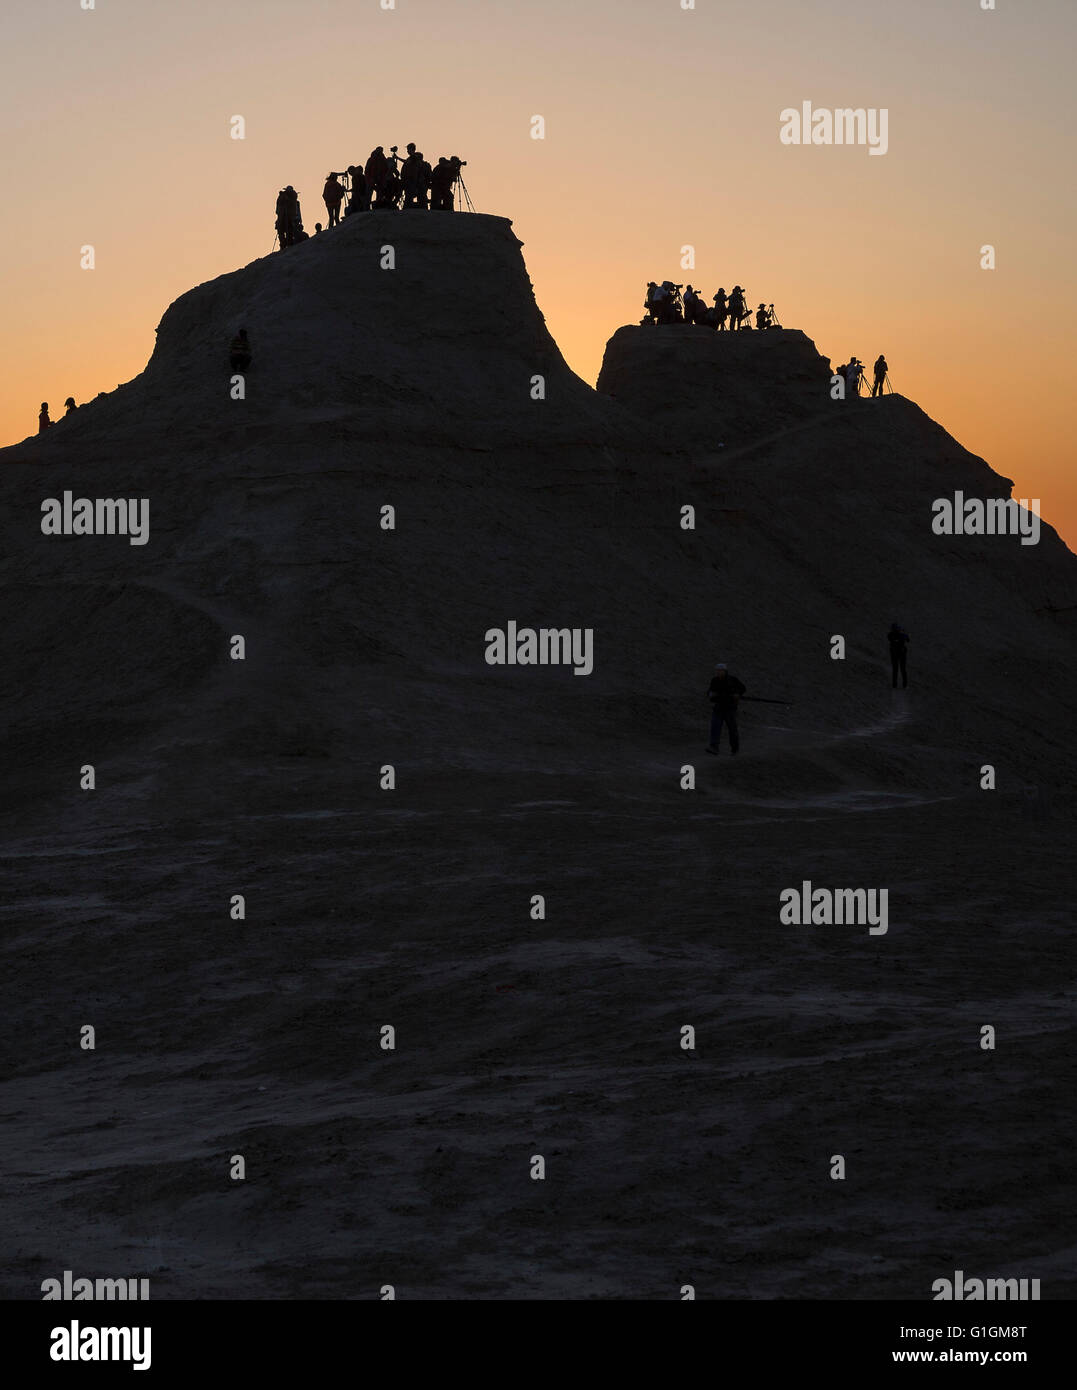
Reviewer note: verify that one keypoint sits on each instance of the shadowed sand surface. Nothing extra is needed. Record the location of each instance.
(410, 907)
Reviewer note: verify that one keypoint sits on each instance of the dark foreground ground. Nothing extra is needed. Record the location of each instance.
(518, 1037)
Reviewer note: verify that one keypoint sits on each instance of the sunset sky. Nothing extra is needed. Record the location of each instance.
(662, 128)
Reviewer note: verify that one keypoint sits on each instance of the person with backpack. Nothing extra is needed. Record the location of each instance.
(288, 222)
(899, 646)
(441, 182)
(332, 197)
(881, 370)
(724, 691)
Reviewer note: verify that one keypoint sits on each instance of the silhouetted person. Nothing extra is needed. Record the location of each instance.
(43, 421)
(413, 179)
(240, 351)
(391, 189)
(881, 370)
(721, 309)
(375, 171)
(289, 224)
(332, 197)
(899, 646)
(689, 304)
(853, 372)
(441, 182)
(738, 310)
(648, 301)
(725, 690)
(69, 407)
(359, 199)
(669, 303)
(762, 317)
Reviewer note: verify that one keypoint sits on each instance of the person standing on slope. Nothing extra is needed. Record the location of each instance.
(899, 645)
(240, 352)
(332, 197)
(43, 421)
(725, 690)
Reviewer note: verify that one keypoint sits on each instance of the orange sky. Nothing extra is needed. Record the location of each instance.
(661, 131)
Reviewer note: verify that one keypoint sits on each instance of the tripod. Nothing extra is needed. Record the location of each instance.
(462, 193)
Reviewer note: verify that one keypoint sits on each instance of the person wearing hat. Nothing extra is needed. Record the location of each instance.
(725, 690)
(332, 197)
(737, 307)
(762, 318)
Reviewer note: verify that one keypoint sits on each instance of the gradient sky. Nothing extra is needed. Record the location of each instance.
(661, 131)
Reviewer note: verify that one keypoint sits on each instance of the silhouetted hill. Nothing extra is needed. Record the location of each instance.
(365, 647)
(413, 387)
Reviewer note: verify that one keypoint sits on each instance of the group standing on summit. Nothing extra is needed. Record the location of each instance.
(665, 304)
(386, 181)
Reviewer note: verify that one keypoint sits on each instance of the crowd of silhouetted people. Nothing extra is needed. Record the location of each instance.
(666, 304)
(726, 312)
(385, 181)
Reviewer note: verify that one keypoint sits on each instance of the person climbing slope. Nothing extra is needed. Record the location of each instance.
(725, 690)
